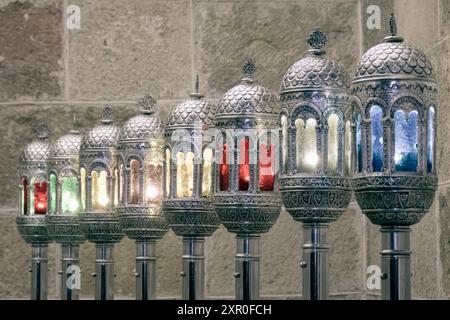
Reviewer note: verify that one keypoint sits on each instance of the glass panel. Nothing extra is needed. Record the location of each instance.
(116, 187)
(83, 188)
(333, 121)
(100, 198)
(224, 176)
(134, 181)
(405, 141)
(188, 181)
(24, 199)
(40, 197)
(181, 173)
(69, 195)
(168, 161)
(284, 150)
(121, 184)
(376, 115)
(153, 183)
(430, 138)
(266, 172)
(207, 171)
(244, 164)
(31, 192)
(358, 140)
(306, 145)
(52, 193)
(348, 148)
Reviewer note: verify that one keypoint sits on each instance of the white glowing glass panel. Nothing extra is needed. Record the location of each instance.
(333, 121)
(83, 188)
(307, 157)
(376, 115)
(207, 172)
(168, 162)
(134, 181)
(348, 148)
(284, 132)
(430, 138)
(100, 199)
(406, 147)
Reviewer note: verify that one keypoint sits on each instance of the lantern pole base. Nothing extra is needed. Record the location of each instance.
(104, 271)
(315, 261)
(70, 272)
(193, 274)
(395, 263)
(247, 267)
(39, 260)
(145, 270)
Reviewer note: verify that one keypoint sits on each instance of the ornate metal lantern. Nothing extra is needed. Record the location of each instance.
(188, 186)
(140, 162)
(315, 155)
(99, 195)
(395, 179)
(63, 203)
(33, 208)
(246, 193)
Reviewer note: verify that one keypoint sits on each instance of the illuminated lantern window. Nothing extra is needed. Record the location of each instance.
(224, 174)
(181, 174)
(307, 158)
(100, 198)
(69, 194)
(188, 178)
(266, 171)
(116, 187)
(348, 149)
(168, 171)
(134, 181)
(244, 164)
(153, 177)
(376, 115)
(284, 146)
(405, 157)
(430, 138)
(83, 188)
(121, 183)
(24, 196)
(40, 197)
(207, 172)
(358, 142)
(333, 147)
(52, 193)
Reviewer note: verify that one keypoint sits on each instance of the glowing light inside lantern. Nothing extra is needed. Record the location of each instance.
(311, 159)
(152, 192)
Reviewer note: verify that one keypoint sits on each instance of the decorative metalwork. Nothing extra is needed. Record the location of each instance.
(395, 168)
(317, 39)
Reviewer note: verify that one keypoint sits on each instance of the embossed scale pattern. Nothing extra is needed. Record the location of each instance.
(394, 58)
(142, 127)
(247, 98)
(314, 72)
(191, 111)
(36, 151)
(103, 136)
(68, 145)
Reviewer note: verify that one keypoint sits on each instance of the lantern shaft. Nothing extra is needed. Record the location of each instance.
(396, 263)
(104, 272)
(145, 270)
(70, 280)
(247, 267)
(39, 272)
(193, 268)
(315, 261)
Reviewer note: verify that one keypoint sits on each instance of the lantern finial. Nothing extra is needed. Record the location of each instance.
(147, 104)
(196, 94)
(393, 25)
(316, 40)
(75, 125)
(107, 114)
(41, 131)
(249, 69)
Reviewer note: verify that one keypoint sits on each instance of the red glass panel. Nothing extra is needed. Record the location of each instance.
(40, 197)
(244, 165)
(24, 196)
(266, 172)
(224, 170)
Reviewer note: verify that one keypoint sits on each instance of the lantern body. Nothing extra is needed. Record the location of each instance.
(64, 190)
(140, 161)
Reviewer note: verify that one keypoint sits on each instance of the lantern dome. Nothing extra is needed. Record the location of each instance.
(38, 150)
(103, 136)
(66, 146)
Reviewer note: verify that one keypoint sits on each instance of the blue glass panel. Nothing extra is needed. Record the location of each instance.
(405, 141)
(358, 143)
(430, 138)
(376, 114)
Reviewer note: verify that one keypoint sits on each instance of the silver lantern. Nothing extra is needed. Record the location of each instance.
(140, 161)
(315, 155)
(246, 193)
(99, 195)
(395, 167)
(188, 186)
(33, 208)
(63, 203)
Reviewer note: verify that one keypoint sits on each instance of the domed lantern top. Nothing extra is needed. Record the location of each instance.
(395, 117)
(98, 170)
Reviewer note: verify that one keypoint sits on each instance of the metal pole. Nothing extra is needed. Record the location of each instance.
(104, 272)
(39, 272)
(70, 280)
(315, 261)
(395, 263)
(193, 268)
(145, 270)
(247, 267)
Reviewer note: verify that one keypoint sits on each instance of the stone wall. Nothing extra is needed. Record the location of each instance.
(125, 49)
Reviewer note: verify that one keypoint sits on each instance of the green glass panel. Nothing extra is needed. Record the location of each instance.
(69, 195)
(52, 193)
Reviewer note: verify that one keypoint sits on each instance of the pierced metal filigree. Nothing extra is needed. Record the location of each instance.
(317, 39)
(107, 115)
(147, 104)
(42, 131)
(249, 68)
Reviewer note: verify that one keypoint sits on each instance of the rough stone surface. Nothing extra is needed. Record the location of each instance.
(31, 50)
(371, 37)
(274, 33)
(126, 48)
(444, 18)
(444, 241)
(373, 247)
